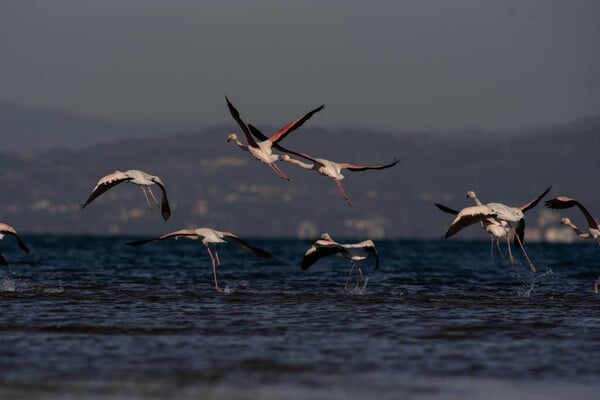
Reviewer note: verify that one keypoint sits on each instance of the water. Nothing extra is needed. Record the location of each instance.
(88, 317)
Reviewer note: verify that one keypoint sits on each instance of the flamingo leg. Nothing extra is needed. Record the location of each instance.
(498, 246)
(217, 255)
(362, 277)
(217, 288)
(531, 266)
(341, 189)
(152, 194)
(144, 190)
(492, 247)
(279, 172)
(510, 256)
(349, 275)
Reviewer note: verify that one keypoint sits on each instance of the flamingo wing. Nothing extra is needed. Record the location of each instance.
(562, 202)
(534, 202)
(446, 209)
(104, 184)
(468, 216)
(9, 230)
(247, 246)
(176, 234)
(316, 252)
(360, 167)
(165, 209)
(295, 124)
(236, 116)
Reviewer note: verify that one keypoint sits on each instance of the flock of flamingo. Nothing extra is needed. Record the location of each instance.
(495, 218)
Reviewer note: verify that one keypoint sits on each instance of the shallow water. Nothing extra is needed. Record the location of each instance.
(90, 317)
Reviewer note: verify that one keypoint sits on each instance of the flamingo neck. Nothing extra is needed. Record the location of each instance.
(300, 163)
(240, 144)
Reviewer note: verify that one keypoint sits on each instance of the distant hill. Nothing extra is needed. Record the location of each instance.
(40, 129)
(213, 183)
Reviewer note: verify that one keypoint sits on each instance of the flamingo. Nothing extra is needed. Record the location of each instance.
(140, 178)
(495, 228)
(208, 236)
(562, 202)
(263, 150)
(332, 169)
(353, 252)
(471, 215)
(6, 229)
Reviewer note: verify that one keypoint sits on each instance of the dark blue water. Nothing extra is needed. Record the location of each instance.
(88, 317)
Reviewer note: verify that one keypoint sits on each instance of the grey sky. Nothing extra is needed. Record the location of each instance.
(434, 65)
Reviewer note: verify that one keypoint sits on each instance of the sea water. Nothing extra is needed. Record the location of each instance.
(89, 317)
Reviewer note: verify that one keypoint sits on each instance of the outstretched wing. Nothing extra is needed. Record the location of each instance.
(360, 167)
(446, 209)
(316, 252)
(236, 116)
(295, 124)
(534, 202)
(165, 210)
(191, 233)
(9, 230)
(3, 260)
(468, 216)
(562, 202)
(245, 245)
(105, 183)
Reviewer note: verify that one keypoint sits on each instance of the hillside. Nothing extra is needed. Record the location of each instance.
(213, 183)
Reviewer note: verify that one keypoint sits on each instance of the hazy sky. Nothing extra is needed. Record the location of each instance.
(435, 65)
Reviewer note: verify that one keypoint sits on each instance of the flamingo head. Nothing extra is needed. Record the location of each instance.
(565, 221)
(285, 157)
(326, 236)
(232, 137)
(471, 194)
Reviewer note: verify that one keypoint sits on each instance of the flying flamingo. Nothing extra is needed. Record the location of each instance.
(562, 202)
(140, 178)
(263, 150)
(353, 252)
(332, 169)
(323, 166)
(495, 228)
(9, 230)
(471, 215)
(208, 236)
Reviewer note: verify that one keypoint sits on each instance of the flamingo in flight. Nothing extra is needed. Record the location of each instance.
(323, 166)
(562, 202)
(140, 178)
(6, 229)
(263, 150)
(208, 236)
(471, 215)
(497, 229)
(354, 252)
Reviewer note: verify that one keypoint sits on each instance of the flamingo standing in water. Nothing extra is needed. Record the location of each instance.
(6, 229)
(471, 215)
(263, 150)
(562, 202)
(135, 176)
(208, 236)
(353, 252)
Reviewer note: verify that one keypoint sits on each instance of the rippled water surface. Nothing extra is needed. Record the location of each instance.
(88, 317)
